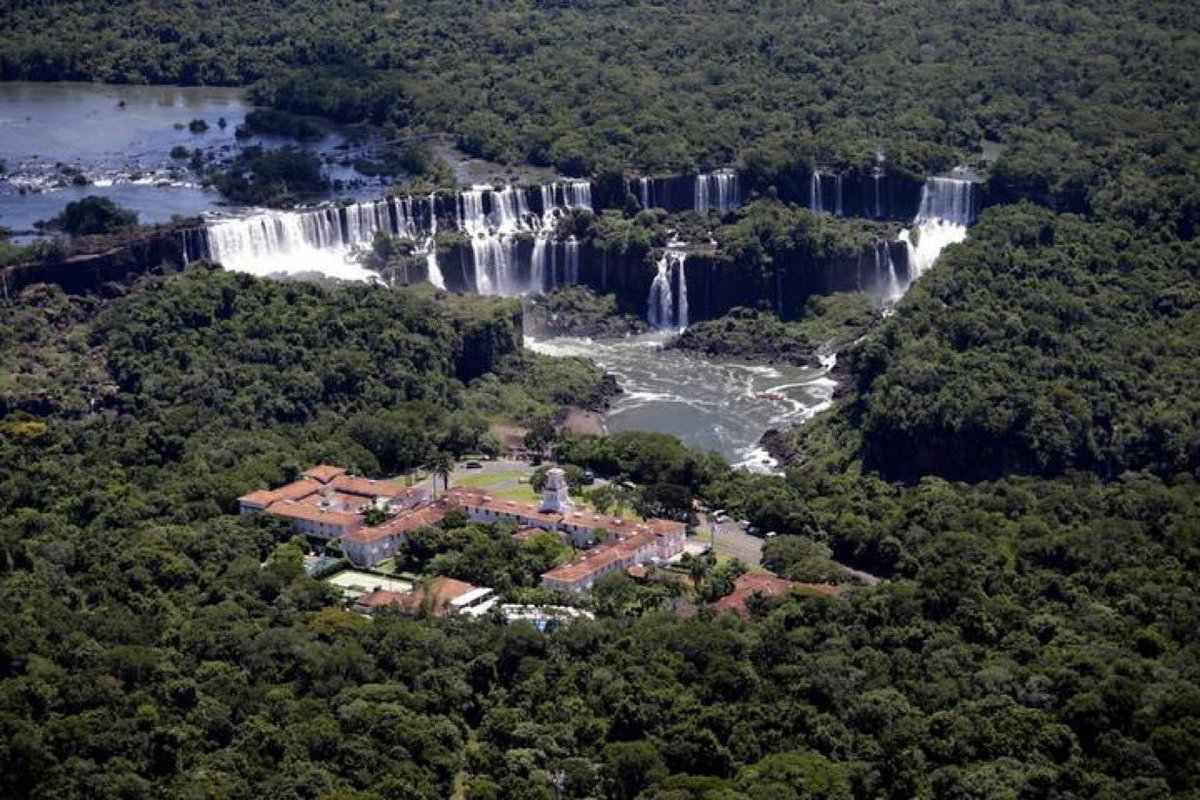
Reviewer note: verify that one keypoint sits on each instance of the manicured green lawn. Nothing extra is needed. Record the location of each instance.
(487, 479)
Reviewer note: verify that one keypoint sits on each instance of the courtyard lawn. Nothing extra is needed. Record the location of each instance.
(484, 480)
(521, 491)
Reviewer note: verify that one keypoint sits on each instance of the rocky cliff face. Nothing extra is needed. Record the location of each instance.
(108, 263)
(715, 282)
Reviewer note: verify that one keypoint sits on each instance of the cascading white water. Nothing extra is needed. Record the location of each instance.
(948, 200)
(663, 312)
(884, 263)
(717, 190)
(578, 194)
(487, 249)
(681, 310)
(494, 235)
(572, 249)
(947, 209)
(645, 187)
(321, 240)
(557, 199)
(537, 265)
(816, 193)
(659, 302)
(433, 272)
(326, 240)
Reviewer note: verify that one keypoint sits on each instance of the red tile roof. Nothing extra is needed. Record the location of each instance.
(291, 509)
(403, 522)
(602, 556)
(291, 491)
(352, 501)
(379, 598)
(366, 487)
(324, 472)
(349, 490)
(623, 526)
(262, 498)
(441, 588)
(767, 585)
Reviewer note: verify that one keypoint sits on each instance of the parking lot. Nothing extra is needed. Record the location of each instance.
(729, 539)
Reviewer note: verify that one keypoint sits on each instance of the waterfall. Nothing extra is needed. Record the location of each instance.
(557, 199)
(717, 190)
(487, 249)
(659, 302)
(816, 193)
(572, 248)
(663, 312)
(579, 194)
(681, 311)
(876, 175)
(884, 262)
(327, 239)
(323, 240)
(494, 235)
(947, 208)
(646, 189)
(537, 266)
(433, 272)
(948, 200)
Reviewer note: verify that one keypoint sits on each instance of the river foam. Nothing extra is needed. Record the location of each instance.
(724, 406)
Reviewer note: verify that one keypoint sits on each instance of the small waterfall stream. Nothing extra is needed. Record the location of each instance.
(667, 308)
(717, 191)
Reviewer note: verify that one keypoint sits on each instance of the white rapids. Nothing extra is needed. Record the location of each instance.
(724, 406)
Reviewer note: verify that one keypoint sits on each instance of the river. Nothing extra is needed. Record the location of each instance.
(718, 405)
(119, 138)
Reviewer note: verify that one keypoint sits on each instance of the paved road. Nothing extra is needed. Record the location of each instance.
(730, 540)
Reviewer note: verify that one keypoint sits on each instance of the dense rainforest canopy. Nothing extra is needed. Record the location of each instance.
(1015, 455)
(1066, 88)
(1033, 638)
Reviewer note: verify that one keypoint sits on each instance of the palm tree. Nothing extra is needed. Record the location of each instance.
(441, 465)
(697, 567)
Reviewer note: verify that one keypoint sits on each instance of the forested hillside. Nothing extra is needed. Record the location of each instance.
(662, 85)
(1045, 343)
(1014, 454)
(1034, 638)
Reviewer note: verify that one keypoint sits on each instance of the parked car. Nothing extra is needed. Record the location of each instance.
(473, 465)
(589, 477)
